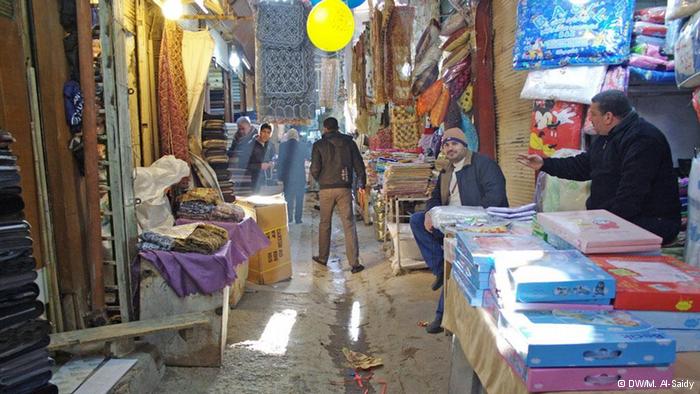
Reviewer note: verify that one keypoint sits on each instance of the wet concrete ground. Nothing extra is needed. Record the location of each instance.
(288, 337)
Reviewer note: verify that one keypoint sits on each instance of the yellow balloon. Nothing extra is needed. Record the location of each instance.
(330, 25)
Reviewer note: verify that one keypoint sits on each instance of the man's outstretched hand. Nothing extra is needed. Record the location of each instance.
(533, 161)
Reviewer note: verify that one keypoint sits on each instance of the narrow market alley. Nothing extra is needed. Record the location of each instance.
(289, 337)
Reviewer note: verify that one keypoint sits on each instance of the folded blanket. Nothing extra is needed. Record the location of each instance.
(16, 314)
(17, 266)
(19, 295)
(23, 338)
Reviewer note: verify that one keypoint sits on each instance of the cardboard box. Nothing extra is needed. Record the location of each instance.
(686, 340)
(484, 250)
(669, 320)
(560, 338)
(578, 379)
(274, 263)
(238, 286)
(653, 283)
(598, 231)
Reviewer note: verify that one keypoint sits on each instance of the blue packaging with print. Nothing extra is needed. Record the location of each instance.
(669, 320)
(472, 271)
(555, 33)
(686, 340)
(560, 338)
(565, 275)
(474, 296)
(482, 250)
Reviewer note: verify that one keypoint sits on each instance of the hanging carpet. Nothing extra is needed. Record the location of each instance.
(405, 127)
(398, 55)
(329, 82)
(284, 72)
(172, 93)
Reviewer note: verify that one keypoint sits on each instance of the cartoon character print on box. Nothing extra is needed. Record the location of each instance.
(555, 125)
(555, 33)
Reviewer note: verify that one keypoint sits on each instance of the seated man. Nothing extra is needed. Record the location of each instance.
(470, 180)
(629, 165)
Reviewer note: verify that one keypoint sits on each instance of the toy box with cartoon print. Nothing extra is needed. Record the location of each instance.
(669, 320)
(653, 283)
(483, 250)
(556, 276)
(565, 338)
(598, 231)
(479, 279)
(473, 295)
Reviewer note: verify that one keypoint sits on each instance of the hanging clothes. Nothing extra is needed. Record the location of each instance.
(197, 50)
(172, 94)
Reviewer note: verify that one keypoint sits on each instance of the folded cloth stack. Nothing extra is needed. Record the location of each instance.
(204, 204)
(190, 238)
(521, 213)
(25, 365)
(648, 62)
(215, 142)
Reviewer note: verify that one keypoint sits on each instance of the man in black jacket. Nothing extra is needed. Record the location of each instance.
(260, 159)
(470, 180)
(334, 159)
(629, 165)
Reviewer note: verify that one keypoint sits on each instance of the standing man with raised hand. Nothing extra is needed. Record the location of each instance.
(335, 161)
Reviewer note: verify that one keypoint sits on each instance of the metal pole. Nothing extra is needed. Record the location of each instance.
(87, 84)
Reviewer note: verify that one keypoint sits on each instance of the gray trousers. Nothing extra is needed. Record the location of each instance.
(329, 199)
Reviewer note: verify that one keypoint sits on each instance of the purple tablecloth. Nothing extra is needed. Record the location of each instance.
(194, 273)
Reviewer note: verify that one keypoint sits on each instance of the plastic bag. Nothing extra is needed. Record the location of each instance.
(555, 125)
(653, 15)
(650, 40)
(446, 215)
(652, 77)
(687, 54)
(150, 185)
(650, 29)
(651, 63)
(574, 84)
(555, 33)
(681, 8)
(554, 194)
(672, 32)
(692, 242)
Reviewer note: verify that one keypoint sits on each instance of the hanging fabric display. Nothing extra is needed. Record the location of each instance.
(398, 55)
(197, 50)
(427, 58)
(406, 129)
(381, 140)
(555, 33)
(329, 82)
(377, 51)
(470, 133)
(172, 92)
(359, 75)
(555, 125)
(369, 67)
(284, 73)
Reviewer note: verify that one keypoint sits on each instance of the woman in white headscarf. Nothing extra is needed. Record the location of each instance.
(292, 174)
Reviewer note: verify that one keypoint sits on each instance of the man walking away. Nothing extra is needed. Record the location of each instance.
(293, 174)
(334, 159)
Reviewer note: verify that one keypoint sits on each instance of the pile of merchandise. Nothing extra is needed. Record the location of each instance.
(215, 143)
(407, 179)
(25, 366)
(187, 238)
(521, 213)
(204, 204)
(649, 61)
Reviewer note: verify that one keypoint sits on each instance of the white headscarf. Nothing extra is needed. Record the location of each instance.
(292, 134)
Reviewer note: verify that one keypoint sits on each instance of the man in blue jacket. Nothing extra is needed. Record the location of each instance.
(629, 165)
(470, 180)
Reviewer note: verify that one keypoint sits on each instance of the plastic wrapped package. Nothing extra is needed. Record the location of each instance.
(616, 78)
(653, 15)
(651, 63)
(649, 29)
(555, 125)
(696, 102)
(650, 40)
(692, 243)
(638, 74)
(687, 54)
(672, 32)
(555, 33)
(444, 216)
(554, 194)
(574, 84)
(150, 185)
(681, 8)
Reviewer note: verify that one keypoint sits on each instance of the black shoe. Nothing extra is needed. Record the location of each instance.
(317, 207)
(435, 327)
(357, 268)
(318, 260)
(438, 282)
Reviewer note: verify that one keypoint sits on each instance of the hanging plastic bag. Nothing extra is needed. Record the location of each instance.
(557, 194)
(692, 243)
(681, 8)
(616, 78)
(687, 54)
(150, 185)
(653, 15)
(574, 84)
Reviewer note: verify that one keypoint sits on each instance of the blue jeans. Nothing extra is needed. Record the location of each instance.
(430, 245)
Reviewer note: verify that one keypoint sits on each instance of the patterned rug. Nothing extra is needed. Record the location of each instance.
(284, 73)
